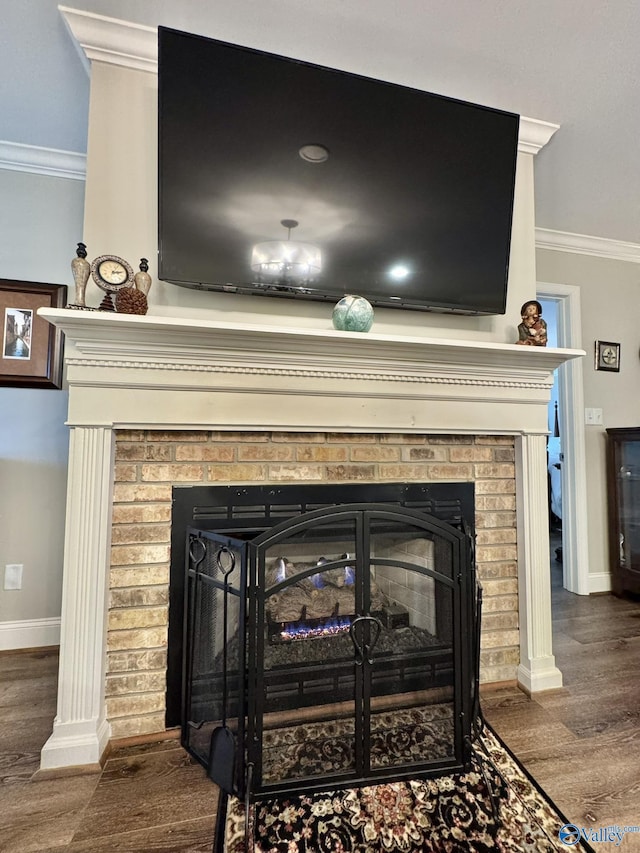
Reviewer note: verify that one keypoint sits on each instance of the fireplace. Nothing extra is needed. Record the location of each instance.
(329, 633)
(160, 376)
(230, 367)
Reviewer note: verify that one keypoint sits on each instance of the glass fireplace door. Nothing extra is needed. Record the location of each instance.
(304, 710)
(358, 662)
(410, 700)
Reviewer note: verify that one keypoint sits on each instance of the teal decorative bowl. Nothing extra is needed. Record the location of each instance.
(353, 314)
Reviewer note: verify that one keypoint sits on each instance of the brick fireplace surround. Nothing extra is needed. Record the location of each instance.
(148, 463)
(157, 401)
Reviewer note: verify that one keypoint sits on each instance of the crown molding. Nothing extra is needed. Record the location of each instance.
(534, 134)
(135, 46)
(111, 40)
(582, 244)
(16, 157)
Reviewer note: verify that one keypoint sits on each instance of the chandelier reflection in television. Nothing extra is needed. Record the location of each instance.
(286, 261)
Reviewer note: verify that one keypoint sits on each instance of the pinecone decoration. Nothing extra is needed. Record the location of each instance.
(131, 301)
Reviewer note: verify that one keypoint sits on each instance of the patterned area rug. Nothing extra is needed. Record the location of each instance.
(450, 814)
(397, 737)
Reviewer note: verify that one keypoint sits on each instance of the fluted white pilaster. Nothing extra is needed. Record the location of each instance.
(80, 730)
(537, 670)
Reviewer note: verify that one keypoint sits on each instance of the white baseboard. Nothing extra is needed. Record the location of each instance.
(600, 582)
(29, 634)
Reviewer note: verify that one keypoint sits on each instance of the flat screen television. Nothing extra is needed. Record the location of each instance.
(278, 177)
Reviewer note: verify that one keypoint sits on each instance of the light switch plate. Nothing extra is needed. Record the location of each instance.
(593, 417)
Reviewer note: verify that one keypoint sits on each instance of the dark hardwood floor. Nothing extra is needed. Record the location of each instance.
(150, 798)
(581, 743)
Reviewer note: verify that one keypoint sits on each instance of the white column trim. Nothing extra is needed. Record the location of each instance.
(80, 730)
(537, 670)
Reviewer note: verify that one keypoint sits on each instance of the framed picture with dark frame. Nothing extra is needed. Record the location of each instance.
(607, 356)
(31, 354)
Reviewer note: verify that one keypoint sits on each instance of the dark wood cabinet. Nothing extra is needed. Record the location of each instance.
(623, 481)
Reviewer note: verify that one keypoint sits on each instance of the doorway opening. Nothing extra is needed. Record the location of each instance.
(562, 308)
(554, 444)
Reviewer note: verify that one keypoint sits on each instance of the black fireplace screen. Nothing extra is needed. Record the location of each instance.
(335, 647)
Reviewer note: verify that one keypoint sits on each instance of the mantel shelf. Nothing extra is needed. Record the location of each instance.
(103, 335)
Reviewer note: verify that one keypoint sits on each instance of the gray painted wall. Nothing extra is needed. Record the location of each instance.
(608, 296)
(40, 224)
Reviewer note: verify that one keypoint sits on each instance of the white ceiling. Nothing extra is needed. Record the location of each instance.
(572, 62)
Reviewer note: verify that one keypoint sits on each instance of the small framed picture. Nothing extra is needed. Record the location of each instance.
(607, 356)
(31, 354)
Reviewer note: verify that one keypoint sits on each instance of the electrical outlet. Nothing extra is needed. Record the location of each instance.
(13, 576)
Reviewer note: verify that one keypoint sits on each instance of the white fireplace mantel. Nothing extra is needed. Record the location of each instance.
(157, 372)
(177, 364)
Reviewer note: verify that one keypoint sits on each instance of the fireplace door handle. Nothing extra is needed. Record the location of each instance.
(365, 651)
(196, 560)
(225, 562)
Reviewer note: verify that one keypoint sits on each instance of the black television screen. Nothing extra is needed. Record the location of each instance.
(283, 178)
